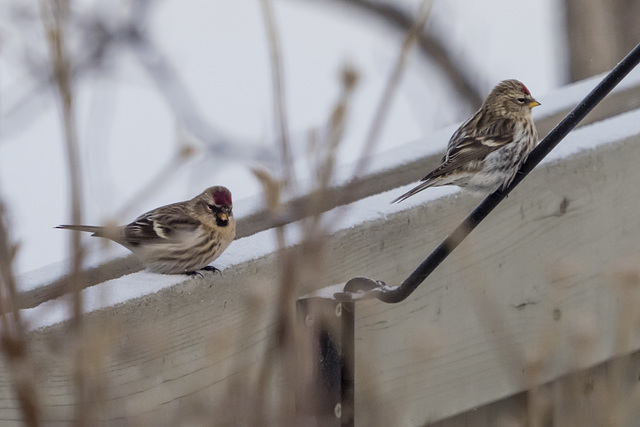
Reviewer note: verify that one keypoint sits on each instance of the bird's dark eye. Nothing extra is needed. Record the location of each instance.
(521, 100)
(213, 208)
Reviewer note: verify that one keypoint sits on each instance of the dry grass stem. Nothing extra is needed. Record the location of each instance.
(13, 337)
(55, 17)
(279, 94)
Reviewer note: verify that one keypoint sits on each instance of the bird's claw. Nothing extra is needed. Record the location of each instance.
(199, 272)
(194, 273)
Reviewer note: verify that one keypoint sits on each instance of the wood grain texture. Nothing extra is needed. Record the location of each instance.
(161, 359)
(531, 295)
(598, 396)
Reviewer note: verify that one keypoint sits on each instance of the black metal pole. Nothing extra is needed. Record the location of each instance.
(378, 289)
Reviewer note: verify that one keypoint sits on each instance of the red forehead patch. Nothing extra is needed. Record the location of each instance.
(525, 90)
(222, 197)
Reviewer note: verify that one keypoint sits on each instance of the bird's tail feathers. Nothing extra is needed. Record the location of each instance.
(418, 188)
(97, 231)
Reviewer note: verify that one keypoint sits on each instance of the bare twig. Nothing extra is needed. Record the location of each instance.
(182, 105)
(392, 83)
(429, 45)
(178, 97)
(102, 39)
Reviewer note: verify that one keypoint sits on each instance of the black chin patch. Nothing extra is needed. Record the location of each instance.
(222, 222)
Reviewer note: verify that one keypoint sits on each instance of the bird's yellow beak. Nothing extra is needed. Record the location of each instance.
(533, 103)
(223, 216)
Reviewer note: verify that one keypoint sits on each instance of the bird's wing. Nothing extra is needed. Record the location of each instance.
(163, 225)
(469, 148)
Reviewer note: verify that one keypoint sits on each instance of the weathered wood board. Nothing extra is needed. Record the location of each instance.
(377, 180)
(531, 295)
(534, 293)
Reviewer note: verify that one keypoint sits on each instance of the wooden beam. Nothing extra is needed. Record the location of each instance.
(539, 290)
(375, 181)
(534, 293)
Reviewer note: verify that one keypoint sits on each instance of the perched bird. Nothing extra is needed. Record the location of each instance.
(485, 153)
(180, 238)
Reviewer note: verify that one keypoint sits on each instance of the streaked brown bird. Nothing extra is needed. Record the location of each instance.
(487, 150)
(180, 238)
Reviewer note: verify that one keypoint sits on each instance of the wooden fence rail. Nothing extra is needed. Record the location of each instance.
(545, 288)
(382, 176)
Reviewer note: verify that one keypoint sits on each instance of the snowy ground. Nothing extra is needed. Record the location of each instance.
(127, 131)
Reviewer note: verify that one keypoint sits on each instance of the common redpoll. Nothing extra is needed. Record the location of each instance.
(485, 153)
(180, 238)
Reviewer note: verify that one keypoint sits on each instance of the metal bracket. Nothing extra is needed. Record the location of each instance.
(327, 393)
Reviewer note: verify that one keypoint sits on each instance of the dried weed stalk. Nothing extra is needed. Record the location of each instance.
(55, 18)
(13, 338)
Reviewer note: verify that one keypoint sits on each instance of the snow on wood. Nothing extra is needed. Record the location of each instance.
(402, 165)
(373, 208)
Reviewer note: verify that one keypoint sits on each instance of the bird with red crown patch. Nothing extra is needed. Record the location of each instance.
(487, 150)
(180, 238)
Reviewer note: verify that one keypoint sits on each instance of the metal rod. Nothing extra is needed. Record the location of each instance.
(391, 294)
